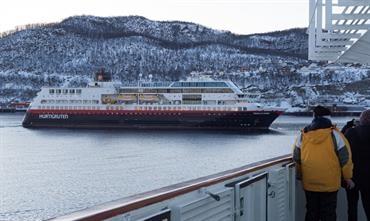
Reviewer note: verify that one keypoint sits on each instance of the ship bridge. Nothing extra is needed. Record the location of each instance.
(339, 31)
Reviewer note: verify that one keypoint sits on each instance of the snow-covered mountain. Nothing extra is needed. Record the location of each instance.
(272, 65)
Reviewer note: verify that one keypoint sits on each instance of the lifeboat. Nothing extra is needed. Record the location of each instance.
(127, 97)
(149, 97)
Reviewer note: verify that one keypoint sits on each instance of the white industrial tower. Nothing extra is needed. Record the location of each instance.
(339, 31)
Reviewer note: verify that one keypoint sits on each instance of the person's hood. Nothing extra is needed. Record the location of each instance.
(318, 136)
(365, 118)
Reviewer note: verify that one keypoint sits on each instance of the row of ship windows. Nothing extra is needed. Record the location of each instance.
(69, 101)
(164, 90)
(177, 84)
(51, 101)
(70, 107)
(65, 91)
(140, 90)
(200, 108)
(142, 108)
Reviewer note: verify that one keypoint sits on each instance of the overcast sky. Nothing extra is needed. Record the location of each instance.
(237, 16)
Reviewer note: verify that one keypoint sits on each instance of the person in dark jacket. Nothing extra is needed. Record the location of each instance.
(359, 139)
(322, 155)
(353, 194)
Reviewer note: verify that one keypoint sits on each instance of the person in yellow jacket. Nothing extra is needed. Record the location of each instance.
(323, 156)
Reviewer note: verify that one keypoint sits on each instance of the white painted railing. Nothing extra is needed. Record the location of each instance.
(339, 31)
(252, 192)
(263, 191)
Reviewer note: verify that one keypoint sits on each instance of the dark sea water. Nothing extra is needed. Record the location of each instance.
(50, 172)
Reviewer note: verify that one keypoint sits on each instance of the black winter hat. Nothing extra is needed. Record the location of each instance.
(320, 111)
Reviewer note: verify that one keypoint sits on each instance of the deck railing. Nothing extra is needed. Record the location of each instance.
(263, 191)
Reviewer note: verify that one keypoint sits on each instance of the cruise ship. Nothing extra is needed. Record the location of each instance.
(183, 104)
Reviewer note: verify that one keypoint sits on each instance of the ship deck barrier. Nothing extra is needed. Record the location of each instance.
(265, 190)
